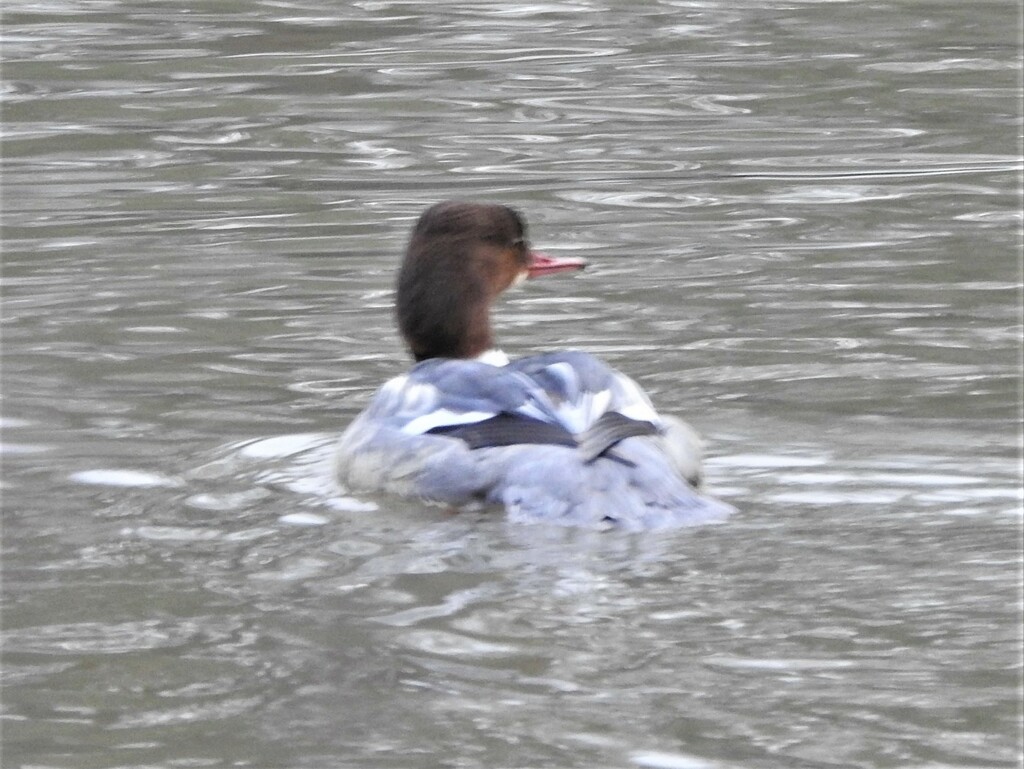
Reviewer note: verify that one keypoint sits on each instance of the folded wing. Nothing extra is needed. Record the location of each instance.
(570, 390)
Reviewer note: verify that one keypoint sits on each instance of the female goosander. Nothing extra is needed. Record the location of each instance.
(558, 437)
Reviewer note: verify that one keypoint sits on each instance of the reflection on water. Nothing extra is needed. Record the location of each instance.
(804, 222)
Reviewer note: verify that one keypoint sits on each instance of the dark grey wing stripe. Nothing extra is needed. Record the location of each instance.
(514, 429)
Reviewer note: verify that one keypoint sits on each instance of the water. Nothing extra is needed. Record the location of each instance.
(804, 225)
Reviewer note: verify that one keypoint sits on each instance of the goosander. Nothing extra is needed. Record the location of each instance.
(558, 437)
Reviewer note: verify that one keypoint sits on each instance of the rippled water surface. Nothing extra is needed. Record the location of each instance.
(804, 226)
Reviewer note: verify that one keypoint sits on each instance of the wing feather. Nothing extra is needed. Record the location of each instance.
(442, 393)
(570, 389)
(580, 389)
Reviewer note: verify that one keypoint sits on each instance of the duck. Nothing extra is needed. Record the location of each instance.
(556, 437)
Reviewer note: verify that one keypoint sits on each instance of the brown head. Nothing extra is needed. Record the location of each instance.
(460, 257)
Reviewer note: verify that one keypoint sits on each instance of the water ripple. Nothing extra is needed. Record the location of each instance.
(802, 221)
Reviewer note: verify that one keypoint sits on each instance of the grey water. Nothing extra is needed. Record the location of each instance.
(803, 219)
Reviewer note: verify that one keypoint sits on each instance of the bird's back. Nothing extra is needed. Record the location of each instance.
(559, 437)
